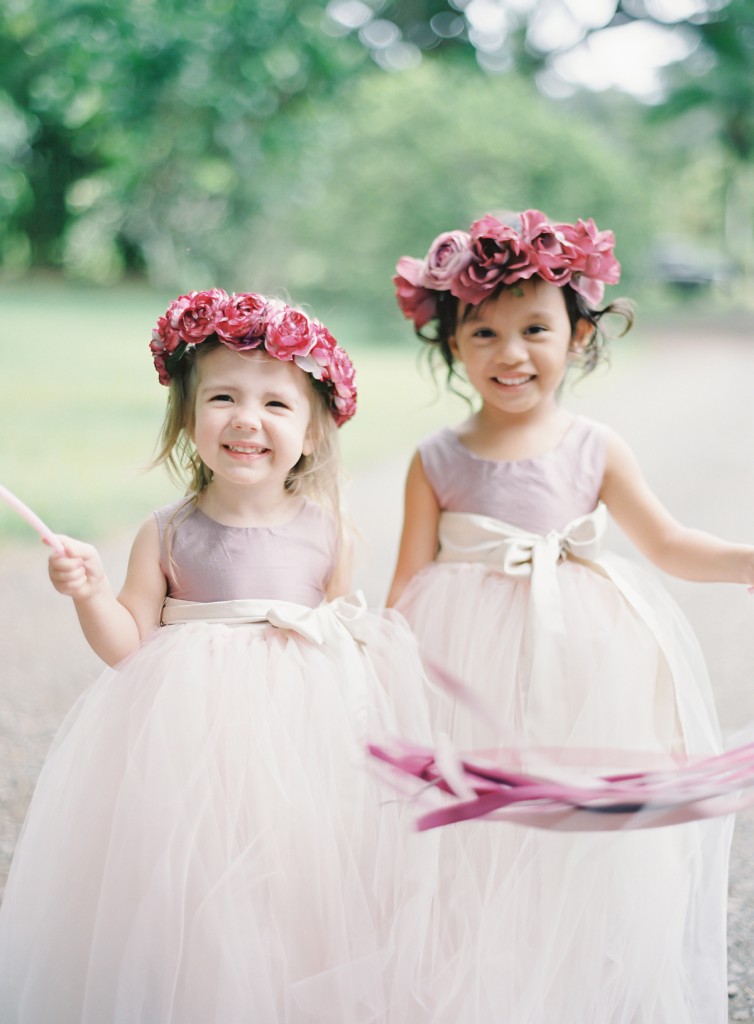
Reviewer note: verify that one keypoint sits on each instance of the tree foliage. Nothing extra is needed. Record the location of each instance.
(132, 130)
(188, 137)
(404, 157)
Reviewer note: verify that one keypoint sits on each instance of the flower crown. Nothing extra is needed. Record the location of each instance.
(245, 321)
(471, 265)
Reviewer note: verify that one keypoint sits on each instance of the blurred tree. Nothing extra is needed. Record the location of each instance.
(131, 130)
(713, 92)
(403, 157)
(150, 133)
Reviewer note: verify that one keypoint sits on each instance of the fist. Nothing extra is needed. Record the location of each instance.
(78, 572)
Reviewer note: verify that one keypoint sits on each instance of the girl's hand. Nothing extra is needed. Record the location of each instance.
(78, 572)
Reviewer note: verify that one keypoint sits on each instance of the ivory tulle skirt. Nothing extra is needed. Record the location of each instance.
(208, 845)
(609, 928)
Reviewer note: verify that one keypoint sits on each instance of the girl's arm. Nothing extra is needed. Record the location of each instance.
(419, 538)
(113, 627)
(674, 548)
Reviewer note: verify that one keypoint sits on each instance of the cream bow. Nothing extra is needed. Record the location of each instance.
(519, 553)
(314, 624)
(516, 552)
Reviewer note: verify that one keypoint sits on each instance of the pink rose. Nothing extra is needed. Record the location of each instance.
(243, 320)
(164, 337)
(593, 264)
(288, 334)
(416, 302)
(549, 252)
(195, 316)
(594, 250)
(322, 349)
(498, 256)
(165, 340)
(448, 255)
(341, 373)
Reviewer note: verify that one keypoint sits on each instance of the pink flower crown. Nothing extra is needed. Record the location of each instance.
(245, 321)
(471, 265)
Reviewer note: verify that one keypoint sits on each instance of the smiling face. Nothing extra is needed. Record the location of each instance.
(251, 418)
(516, 347)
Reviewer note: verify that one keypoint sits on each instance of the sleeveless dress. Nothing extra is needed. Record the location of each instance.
(575, 654)
(206, 844)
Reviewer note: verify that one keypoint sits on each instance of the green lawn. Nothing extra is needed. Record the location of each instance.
(81, 405)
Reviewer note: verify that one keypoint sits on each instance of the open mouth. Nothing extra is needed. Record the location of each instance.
(514, 382)
(245, 449)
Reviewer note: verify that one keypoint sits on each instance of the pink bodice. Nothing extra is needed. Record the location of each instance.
(211, 562)
(538, 494)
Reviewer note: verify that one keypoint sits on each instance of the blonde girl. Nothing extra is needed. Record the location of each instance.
(205, 843)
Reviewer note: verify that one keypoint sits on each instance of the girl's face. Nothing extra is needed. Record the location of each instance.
(516, 347)
(252, 417)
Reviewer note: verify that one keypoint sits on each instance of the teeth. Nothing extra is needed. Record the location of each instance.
(513, 380)
(245, 450)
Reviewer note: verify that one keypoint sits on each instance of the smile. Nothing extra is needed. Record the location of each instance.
(512, 382)
(248, 449)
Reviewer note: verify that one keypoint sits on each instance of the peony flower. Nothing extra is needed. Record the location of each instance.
(288, 335)
(549, 252)
(341, 373)
(321, 352)
(593, 251)
(499, 256)
(243, 320)
(195, 316)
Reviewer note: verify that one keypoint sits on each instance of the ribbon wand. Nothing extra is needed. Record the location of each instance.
(32, 519)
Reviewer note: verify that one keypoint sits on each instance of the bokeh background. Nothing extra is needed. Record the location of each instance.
(152, 147)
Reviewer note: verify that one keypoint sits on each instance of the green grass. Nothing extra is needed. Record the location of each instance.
(81, 407)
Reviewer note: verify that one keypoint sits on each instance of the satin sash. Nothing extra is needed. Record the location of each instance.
(520, 554)
(319, 625)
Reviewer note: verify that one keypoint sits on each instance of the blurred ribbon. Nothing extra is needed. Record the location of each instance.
(32, 519)
(484, 788)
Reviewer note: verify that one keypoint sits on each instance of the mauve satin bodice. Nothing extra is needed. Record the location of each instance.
(538, 494)
(212, 562)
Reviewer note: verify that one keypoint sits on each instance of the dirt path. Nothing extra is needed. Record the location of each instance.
(686, 409)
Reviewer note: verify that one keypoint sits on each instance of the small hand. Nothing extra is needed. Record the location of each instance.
(78, 572)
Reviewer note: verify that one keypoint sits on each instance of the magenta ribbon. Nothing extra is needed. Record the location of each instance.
(694, 790)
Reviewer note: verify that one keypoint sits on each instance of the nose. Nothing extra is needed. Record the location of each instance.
(511, 349)
(246, 417)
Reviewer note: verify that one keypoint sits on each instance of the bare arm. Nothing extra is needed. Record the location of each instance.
(113, 626)
(674, 548)
(421, 516)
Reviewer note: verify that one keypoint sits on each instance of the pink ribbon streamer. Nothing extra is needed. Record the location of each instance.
(32, 519)
(709, 787)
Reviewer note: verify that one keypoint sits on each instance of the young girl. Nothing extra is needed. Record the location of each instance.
(205, 844)
(575, 653)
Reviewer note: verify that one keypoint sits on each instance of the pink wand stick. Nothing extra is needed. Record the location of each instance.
(32, 519)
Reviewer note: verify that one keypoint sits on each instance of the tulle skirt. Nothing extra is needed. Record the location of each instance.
(207, 842)
(608, 928)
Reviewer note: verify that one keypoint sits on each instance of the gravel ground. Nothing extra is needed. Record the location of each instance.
(46, 663)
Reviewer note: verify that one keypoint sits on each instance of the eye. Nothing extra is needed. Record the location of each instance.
(277, 403)
(483, 333)
(220, 397)
(536, 329)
